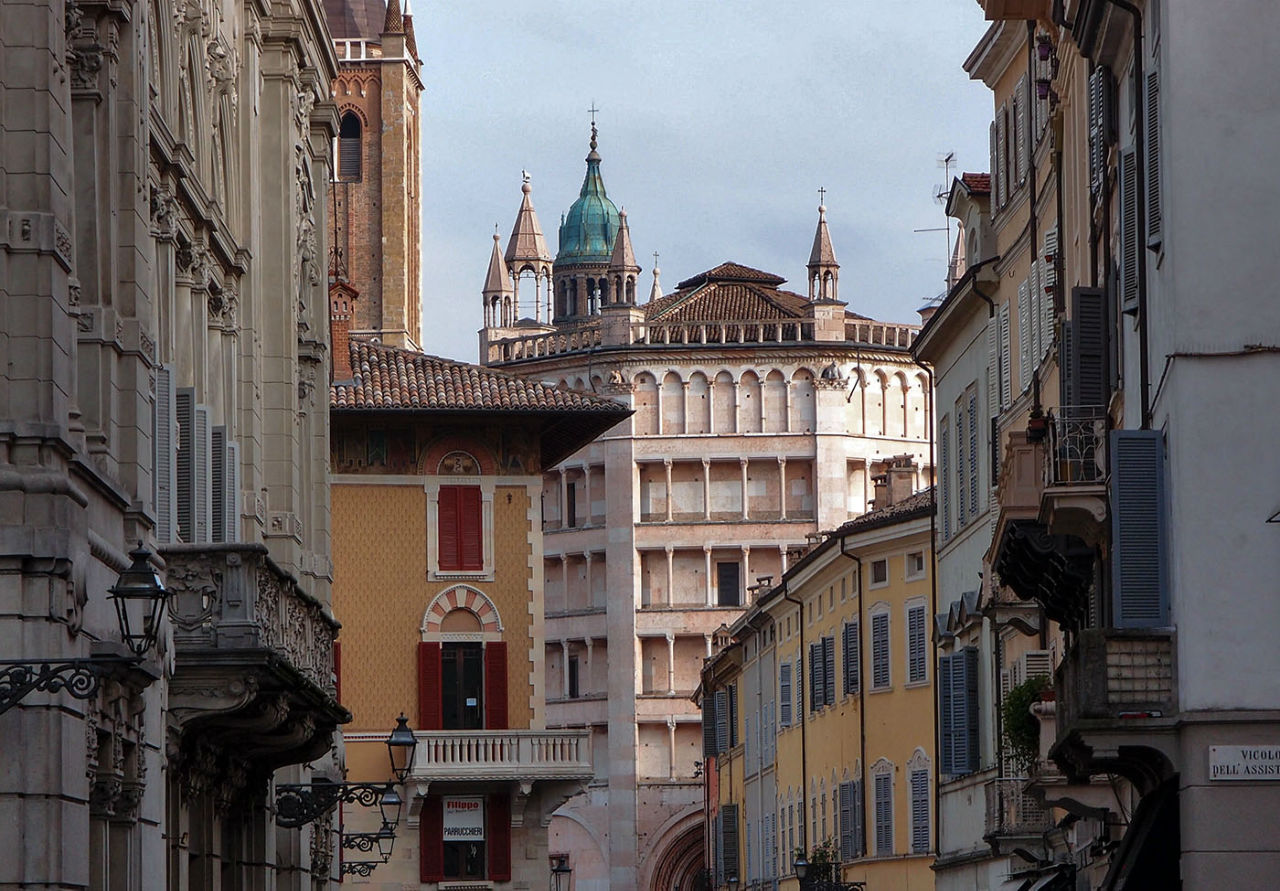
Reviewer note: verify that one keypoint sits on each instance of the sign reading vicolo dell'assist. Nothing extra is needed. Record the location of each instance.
(1244, 763)
(463, 819)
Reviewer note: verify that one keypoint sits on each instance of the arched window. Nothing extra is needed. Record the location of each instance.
(349, 148)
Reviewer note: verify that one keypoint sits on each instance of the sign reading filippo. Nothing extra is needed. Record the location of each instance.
(463, 819)
(1244, 763)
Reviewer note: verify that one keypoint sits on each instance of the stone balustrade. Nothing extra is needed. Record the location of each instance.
(1013, 812)
(502, 754)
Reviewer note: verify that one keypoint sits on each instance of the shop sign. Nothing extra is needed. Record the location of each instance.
(463, 819)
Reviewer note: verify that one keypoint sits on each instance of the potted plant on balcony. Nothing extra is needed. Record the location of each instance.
(1021, 728)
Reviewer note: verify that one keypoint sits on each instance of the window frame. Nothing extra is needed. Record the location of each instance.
(871, 575)
(881, 611)
(432, 487)
(916, 605)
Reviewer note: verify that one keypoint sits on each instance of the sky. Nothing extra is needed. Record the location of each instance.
(718, 123)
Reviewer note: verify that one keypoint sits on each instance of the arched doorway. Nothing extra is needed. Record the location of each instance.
(679, 865)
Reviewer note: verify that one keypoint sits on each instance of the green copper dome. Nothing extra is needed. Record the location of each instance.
(588, 230)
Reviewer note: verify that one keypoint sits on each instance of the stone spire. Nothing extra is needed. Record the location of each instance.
(655, 293)
(499, 303)
(394, 22)
(623, 268)
(527, 245)
(824, 271)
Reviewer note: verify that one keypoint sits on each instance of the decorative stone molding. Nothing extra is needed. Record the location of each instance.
(462, 597)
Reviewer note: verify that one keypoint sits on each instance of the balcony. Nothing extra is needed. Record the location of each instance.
(1116, 705)
(253, 677)
(1074, 499)
(1012, 813)
(480, 755)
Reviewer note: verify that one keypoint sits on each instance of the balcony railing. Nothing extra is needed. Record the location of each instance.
(502, 754)
(1077, 453)
(1011, 811)
(1113, 676)
(233, 597)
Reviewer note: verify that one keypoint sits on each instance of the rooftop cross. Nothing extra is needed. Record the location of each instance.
(822, 195)
(655, 259)
(593, 111)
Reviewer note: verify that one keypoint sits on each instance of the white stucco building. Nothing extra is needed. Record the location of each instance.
(761, 417)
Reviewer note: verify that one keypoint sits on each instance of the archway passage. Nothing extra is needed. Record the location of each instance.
(680, 866)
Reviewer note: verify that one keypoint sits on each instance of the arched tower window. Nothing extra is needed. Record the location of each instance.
(349, 148)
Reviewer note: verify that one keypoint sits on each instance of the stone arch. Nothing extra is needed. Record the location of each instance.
(645, 402)
(461, 597)
(724, 415)
(896, 413)
(804, 410)
(698, 410)
(920, 422)
(676, 854)
(775, 402)
(672, 403)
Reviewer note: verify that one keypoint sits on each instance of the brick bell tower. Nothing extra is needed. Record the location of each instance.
(377, 167)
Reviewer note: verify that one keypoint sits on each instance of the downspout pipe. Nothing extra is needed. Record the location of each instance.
(862, 695)
(1140, 186)
(799, 684)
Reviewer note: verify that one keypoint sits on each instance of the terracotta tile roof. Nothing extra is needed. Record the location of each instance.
(918, 505)
(733, 272)
(355, 18)
(726, 301)
(978, 183)
(393, 378)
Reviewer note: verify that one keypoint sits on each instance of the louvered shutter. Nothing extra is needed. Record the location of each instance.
(185, 497)
(430, 710)
(1154, 228)
(708, 725)
(816, 676)
(971, 762)
(1139, 585)
(729, 839)
(498, 818)
(218, 475)
(884, 814)
(717, 848)
(919, 812)
(470, 533)
(995, 170)
(846, 822)
(784, 693)
(1024, 335)
(1036, 664)
(165, 456)
(829, 663)
(944, 458)
(880, 674)
(859, 820)
(722, 721)
(946, 729)
(1090, 348)
(1006, 358)
(852, 658)
(733, 715)
(1020, 130)
(1034, 302)
(495, 685)
(962, 486)
(992, 394)
(973, 453)
(202, 474)
(1097, 142)
(917, 662)
(1128, 255)
(431, 840)
(447, 536)
(1004, 186)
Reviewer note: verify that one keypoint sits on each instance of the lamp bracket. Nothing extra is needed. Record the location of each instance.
(363, 868)
(297, 804)
(363, 841)
(80, 678)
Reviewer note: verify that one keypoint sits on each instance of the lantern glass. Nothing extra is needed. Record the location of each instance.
(401, 745)
(140, 601)
(386, 842)
(390, 807)
(801, 867)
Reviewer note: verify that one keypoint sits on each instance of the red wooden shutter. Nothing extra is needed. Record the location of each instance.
(447, 528)
(499, 832)
(337, 670)
(495, 685)
(431, 842)
(430, 714)
(470, 534)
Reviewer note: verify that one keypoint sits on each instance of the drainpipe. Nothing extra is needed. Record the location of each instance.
(1140, 186)
(799, 684)
(862, 696)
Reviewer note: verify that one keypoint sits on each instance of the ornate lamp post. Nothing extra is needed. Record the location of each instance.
(139, 599)
(401, 745)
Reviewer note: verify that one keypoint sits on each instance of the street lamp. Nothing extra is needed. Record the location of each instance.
(139, 600)
(390, 806)
(560, 872)
(401, 745)
(801, 867)
(733, 883)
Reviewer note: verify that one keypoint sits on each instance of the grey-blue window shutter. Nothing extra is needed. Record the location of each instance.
(969, 763)
(184, 411)
(784, 693)
(946, 730)
(733, 715)
(846, 822)
(919, 812)
(852, 658)
(859, 820)
(1154, 228)
(1090, 339)
(884, 813)
(709, 747)
(729, 841)
(1127, 258)
(1139, 588)
(880, 675)
(722, 721)
(829, 663)
(817, 674)
(917, 663)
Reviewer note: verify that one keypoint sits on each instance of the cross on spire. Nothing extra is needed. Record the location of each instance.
(822, 195)
(593, 111)
(655, 259)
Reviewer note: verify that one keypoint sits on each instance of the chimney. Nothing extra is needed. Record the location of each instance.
(897, 483)
(341, 300)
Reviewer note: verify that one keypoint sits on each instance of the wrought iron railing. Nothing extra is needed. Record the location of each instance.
(1077, 453)
(1011, 811)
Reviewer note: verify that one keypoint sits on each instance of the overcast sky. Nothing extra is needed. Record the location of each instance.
(718, 123)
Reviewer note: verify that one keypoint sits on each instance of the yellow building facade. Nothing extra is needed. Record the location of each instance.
(438, 560)
(819, 711)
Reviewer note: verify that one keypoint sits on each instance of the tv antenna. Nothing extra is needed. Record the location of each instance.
(946, 160)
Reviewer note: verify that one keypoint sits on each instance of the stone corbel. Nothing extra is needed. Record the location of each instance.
(417, 792)
(524, 788)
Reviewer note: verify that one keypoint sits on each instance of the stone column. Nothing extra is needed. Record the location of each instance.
(707, 637)
(591, 597)
(671, 745)
(671, 664)
(564, 502)
(743, 462)
(706, 550)
(786, 398)
(587, 688)
(670, 575)
(666, 464)
(706, 488)
(684, 398)
(737, 421)
(782, 555)
(746, 573)
(564, 666)
(782, 487)
(586, 491)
